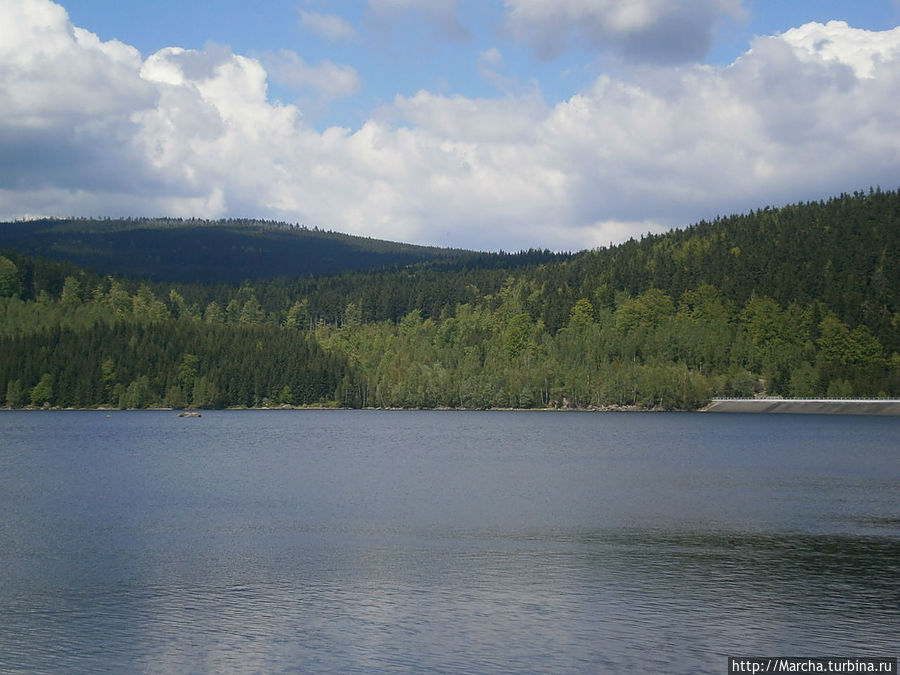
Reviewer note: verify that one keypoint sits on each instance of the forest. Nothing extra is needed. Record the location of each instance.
(231, 250)
(794, 301)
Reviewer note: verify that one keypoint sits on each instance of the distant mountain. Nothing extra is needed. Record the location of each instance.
(231, 251)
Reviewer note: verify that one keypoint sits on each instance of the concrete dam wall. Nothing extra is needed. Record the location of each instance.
(822, 406)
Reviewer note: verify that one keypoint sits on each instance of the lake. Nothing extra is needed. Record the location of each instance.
(468, 542)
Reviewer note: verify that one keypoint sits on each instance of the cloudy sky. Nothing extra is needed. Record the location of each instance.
(488, 124)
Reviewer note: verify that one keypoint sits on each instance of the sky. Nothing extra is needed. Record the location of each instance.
(482, 124)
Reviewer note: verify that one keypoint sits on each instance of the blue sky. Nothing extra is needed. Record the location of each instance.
(491, 124)
(402, 52)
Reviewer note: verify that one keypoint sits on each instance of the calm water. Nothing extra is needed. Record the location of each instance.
(360, 541)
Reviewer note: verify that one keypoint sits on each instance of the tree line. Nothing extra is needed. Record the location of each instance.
(799, 301)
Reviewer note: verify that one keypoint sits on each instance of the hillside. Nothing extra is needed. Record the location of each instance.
(208, 251)
(796, 301)
(843, 253)
(841, 256)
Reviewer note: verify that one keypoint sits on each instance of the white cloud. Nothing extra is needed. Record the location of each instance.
(328, 80)
(490, 66)
(646, 30)
(88, 128)
(61, 89)
(491, 58)
(329, 26)
(51, 69)
(861, 50)
(483, 121)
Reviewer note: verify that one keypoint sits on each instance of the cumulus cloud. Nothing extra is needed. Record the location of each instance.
(646, 30)
(89, 128)
(483, 121)
(329, 26)
(61, 89)
(862, 50)
(328, 80)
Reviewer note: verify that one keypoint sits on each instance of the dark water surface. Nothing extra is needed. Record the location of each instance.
(478, 542)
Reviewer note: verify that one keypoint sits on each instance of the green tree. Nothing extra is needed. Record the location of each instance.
(213, 313)
(839, 345)
(42, 392)
(866, 350)
(286, 397)
(764, 320)
(108, 379)
(138, 394)
(835, 344)
(517, 336)
(232, 311)
(582, 314)
(174, 397)
(188, 370)
(647, 310)
(251, 312)
(352, 316)
(840, 389)
(71, 291)
(411, 323)
(146, 306)
(15, 396)
(118, 298)
(205, 394)
(741, 383)
(9, 278)
(778, 343)
(805, 381)
(298, 315)
(177, 305)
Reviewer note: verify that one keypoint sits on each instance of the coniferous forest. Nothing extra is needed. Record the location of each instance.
(797, 301)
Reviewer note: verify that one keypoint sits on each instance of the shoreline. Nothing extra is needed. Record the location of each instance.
(284, 408)
(875, 407)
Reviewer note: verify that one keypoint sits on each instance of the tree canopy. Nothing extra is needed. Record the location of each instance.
(798, 301)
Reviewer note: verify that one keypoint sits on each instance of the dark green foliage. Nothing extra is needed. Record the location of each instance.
(43, 391)
(136, 365)
(15, 397)
(10, 286)
(800, 301)
(843, 253)
(174, 250)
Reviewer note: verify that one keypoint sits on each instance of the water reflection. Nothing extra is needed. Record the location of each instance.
(448, 543)
(479, 601)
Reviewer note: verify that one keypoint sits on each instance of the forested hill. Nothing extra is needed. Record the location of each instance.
(209, 251)
(843, 253)
(796, 301)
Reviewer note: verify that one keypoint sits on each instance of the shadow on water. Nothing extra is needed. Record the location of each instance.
(545, 600)
(363, 542)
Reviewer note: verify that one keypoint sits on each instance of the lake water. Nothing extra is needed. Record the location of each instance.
(477, 542)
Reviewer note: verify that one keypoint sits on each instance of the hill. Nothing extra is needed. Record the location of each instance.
(208, 251)
(843, 253)
(802, 300)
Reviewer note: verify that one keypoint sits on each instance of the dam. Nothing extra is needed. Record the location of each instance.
(811, 406)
